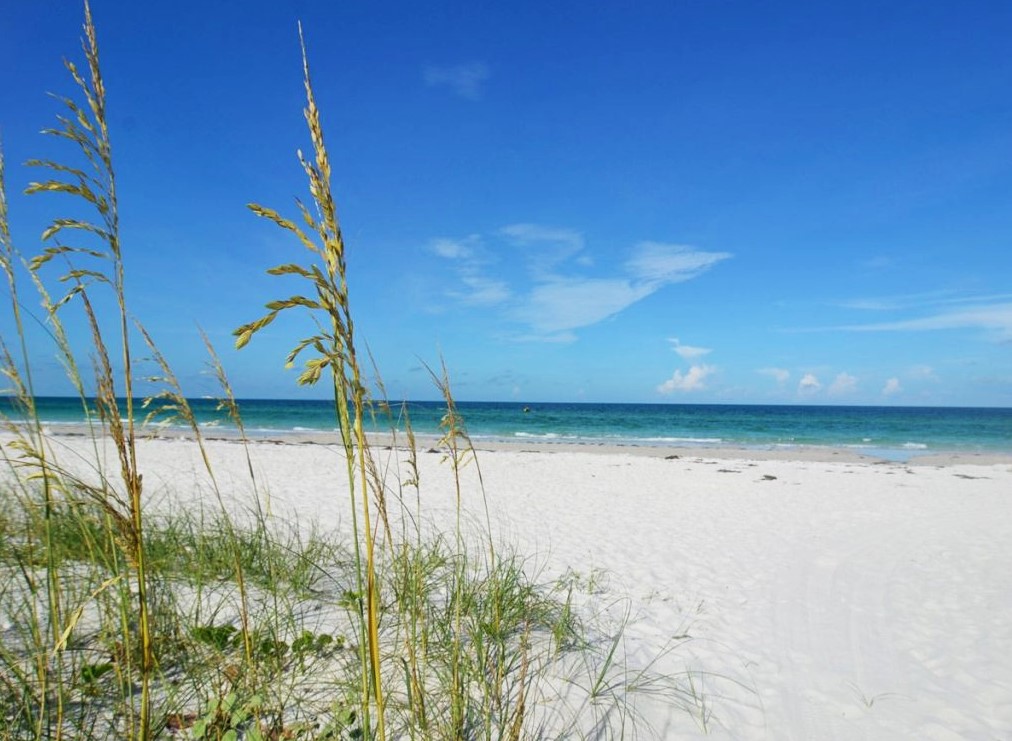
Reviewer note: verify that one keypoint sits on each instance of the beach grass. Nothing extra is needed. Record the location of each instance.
(224, 620)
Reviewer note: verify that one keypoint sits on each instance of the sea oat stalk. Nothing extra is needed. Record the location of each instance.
(86, 126)
(335, 350)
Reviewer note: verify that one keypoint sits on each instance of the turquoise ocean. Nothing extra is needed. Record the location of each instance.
(889, 432)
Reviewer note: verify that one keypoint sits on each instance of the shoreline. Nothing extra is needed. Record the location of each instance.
(724, 451)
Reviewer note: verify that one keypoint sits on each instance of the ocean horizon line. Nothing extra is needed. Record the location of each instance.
(900, 431)
(532, 403)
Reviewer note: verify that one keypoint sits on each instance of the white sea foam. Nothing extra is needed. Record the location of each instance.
(690, 440)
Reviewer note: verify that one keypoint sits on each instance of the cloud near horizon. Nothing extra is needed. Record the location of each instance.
(693, 380)
(780, 375)
(809, 384)
(922, 373)
(843, 384)
(550, 295)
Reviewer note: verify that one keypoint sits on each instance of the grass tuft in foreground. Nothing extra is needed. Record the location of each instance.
(125, 615)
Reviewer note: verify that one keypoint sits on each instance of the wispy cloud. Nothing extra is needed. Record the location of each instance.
(558, 338)
(780, 375)
(456, 249)
(480, 291)
(465, 80)
(535, 233)
(548, 291)
(688, 352)
(922, 301)
(922, 373)
(473, 286)
(546, 247)
(991, 314)
(879, 262)
(693, 380)
(567, 304)
(994, 318)
(660, 263)
(902, 301)
(842, 385)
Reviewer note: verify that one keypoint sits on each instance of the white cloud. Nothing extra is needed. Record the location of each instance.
(809, 384)
(532, 233)
(688, 352)
(473, 287)
(660, 263)
(891, 387)
(781, 375)
(455, 249)
(922, 373)
(547, 247)
(550, 300)
(899, 301)
(558, 338)
(923, 300)
(996, 318)
(481, 291)
(691, 381)
(570, 304)
(466, 80)
(560, 303)
(843, 384)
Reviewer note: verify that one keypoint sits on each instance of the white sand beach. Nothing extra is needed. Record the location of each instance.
(824, 598)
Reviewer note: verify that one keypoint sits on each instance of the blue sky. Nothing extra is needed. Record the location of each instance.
(697, 201)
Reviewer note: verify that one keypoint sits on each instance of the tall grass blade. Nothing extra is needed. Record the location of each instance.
(336, 352)
(87, 128)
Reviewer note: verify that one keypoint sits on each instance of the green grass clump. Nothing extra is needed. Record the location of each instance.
(122, 619)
